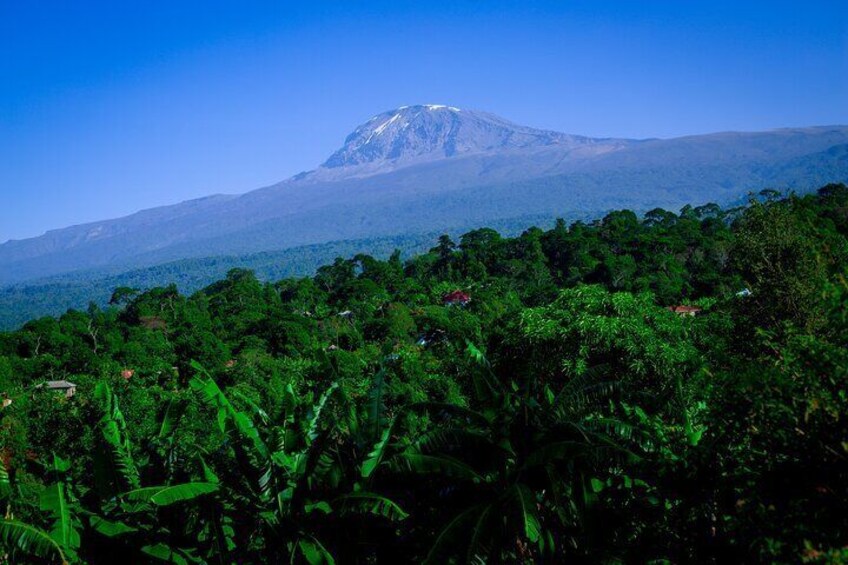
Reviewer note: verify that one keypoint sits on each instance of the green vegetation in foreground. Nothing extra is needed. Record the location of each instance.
(562, 413)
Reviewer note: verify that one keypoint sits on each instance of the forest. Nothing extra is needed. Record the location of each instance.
(665, 388)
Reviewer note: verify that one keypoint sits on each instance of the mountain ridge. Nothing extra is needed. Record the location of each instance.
(448, 166)
(439, 131)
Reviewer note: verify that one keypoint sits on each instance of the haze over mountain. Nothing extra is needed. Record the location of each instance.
(431, 167)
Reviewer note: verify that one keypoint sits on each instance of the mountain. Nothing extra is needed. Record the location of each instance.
(420, 134)
(430, 168)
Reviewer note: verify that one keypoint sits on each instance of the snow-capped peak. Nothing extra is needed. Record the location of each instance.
(414, 134)
(441, 107)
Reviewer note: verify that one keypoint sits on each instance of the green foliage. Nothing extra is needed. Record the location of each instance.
(118, 449)
(167, 495)
(29, 540)
(563, 413)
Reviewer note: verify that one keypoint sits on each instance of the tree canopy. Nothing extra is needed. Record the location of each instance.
(565, 408)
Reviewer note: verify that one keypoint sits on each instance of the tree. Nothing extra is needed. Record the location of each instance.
(783, 262)
(122, 295)
(521, 469)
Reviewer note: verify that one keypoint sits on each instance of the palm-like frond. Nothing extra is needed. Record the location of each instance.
(419, 463)
(113, 429)
(375, 457)
(587, 390)
(168, 495)
(454, 535)
(57, 500)
(314, 552)
(441, 411)
(110, 528)
(171, 418)
(167, 554)
(315, 422)
(230, 420)
(258, 410)
(485, 383)
(524, 501)
(479, 545)
(373, 504)
(53, 499)
(375, 405)
(457, 440)
(29, 540)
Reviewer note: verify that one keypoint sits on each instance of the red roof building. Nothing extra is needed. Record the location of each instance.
(682, 310)
(456, 297)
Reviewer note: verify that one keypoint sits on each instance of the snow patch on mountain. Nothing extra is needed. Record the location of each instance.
(411, 135)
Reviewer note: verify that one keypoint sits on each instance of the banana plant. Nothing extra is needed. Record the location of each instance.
(59, 501)
(62, 542)
(130, 516)
(134, 521)
(22, 539)
(518, 473)
(287, 474)
(115, 469)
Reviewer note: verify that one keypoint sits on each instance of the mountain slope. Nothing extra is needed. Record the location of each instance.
(424, 168)
(417, 134)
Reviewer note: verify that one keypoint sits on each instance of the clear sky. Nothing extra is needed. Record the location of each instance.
(110, 107)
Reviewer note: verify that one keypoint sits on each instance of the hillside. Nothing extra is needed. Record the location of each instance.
(433, 168)
(52, 296)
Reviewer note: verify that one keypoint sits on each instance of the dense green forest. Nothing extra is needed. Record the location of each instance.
(25, 301)
(53, 295)
(664, 388)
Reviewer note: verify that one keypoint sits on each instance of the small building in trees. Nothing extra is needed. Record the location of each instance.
(456, 298)
(66, 387)
(682, 310)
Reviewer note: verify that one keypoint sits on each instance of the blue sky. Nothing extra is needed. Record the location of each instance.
(110, 107)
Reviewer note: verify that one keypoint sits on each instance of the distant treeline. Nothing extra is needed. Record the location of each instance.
(54, 295)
